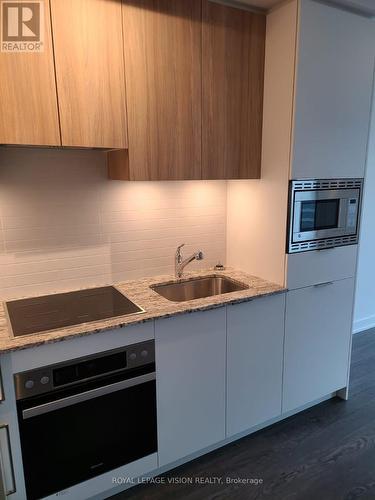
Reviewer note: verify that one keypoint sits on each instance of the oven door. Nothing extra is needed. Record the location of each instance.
(324, 214)
(76, 434)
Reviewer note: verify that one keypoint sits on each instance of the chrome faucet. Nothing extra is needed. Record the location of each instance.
(181, 263)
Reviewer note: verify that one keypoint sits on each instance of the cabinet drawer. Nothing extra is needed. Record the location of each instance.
(310, 268)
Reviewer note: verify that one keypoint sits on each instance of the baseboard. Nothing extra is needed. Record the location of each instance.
(363, 324)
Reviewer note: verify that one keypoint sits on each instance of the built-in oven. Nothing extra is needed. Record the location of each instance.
(323, 213)
(81, 418)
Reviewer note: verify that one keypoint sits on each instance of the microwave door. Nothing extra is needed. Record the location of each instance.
(305, 223)
(322, 214)
(317, 220)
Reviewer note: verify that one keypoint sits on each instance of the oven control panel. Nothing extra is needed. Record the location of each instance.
(68, 373)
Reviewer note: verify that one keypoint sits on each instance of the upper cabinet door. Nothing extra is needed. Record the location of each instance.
(28, 102)
(333, 92)
(233, 74)
(162, 40)
(90, 72)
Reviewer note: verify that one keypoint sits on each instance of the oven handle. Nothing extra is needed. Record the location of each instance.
(86, 396)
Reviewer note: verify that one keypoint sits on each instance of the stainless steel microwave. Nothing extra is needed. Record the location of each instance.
(323, 213)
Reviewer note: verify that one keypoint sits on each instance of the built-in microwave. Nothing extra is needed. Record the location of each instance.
(323, 213)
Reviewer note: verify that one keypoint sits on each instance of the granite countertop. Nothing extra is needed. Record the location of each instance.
(155, 307)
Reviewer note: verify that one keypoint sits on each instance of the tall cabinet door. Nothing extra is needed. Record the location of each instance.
(233, 48)
(255, 339)
(28, 101)
(190, 380)
(318, 329)
(333, 92)
(162, 40)
(90, 72)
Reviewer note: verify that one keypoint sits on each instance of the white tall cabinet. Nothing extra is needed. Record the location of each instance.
(319, 70)
(333, 89)
(335, 52)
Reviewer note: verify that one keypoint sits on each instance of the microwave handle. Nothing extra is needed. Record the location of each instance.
(296, 216)
(86, 396)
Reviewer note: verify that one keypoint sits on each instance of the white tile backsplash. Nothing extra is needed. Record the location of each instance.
(64, 225)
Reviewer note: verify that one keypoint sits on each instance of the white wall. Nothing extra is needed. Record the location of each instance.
(364, 311)
(64, 225)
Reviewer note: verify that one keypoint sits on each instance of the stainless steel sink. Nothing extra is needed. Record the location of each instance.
(198, 288)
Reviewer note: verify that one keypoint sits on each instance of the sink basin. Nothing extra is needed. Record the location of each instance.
(198, 288)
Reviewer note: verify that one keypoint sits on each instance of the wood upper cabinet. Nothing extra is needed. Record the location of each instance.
(172, 87)
(28, 102)
(162, 42)
(233, 48)
(90, 72)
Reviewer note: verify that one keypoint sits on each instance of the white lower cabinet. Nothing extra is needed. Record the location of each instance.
(317, 341)
(255, 337)
(190, 363)
(218, 373)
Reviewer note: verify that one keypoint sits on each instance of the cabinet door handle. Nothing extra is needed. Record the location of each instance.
(7, 479)
(2, 395)
(326, 283)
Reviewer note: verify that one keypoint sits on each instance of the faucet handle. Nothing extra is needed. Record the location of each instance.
(178, 256)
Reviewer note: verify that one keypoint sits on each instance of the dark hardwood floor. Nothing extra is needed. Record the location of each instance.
(324, 453)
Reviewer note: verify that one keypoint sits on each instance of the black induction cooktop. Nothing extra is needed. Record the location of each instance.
(40, 314)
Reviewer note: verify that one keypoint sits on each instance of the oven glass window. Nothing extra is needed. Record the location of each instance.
(320, 214)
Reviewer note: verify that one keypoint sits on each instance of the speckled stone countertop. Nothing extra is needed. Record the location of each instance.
(155, 307)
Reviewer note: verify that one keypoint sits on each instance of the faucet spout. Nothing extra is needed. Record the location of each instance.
(181, 263)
